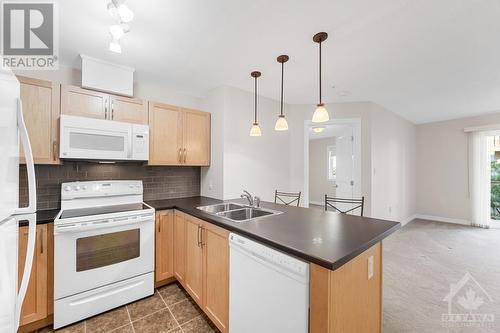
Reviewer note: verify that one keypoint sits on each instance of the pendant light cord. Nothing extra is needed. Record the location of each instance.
(255, 100)
(320, 100)
(282, 71)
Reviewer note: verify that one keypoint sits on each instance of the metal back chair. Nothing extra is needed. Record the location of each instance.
(332, 202)
(287, 198)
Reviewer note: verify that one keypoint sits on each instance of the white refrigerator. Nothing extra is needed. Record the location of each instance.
(13, 134)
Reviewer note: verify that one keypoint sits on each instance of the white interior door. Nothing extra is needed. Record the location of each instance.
(344, 170)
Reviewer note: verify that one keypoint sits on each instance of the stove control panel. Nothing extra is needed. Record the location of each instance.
(91, 189)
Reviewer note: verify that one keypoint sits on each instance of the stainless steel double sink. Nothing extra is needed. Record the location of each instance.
(237, 212)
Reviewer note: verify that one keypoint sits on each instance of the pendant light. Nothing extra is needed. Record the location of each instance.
(255, 130)
(320, 114)
(281, 123)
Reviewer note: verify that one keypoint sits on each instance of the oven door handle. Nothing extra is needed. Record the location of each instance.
(101, 224)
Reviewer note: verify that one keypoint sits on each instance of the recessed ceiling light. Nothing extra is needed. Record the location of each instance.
(318, 129)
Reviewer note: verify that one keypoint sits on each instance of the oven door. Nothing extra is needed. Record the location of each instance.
(93, 254)
(94, 139)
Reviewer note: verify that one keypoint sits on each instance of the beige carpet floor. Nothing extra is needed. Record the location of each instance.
(422, 259)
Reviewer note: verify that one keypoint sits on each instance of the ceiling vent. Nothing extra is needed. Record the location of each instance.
(106, 76)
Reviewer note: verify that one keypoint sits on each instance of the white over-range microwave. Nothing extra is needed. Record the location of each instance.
(104, 140)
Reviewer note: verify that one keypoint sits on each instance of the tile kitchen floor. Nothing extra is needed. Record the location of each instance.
(170, 310)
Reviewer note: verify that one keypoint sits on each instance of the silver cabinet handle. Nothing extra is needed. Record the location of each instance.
(112, 110)
(199, 235)
(185, 154)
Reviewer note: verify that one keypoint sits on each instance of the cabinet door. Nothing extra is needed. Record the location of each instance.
(76, 101)
(164, 265)
(193, 281)
(179, 246)
(41, 114)
(165, 137)
(196, 150)
(129, 110)
(216, 275)
(35, 306)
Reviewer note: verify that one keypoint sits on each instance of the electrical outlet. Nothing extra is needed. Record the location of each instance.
(370, 267)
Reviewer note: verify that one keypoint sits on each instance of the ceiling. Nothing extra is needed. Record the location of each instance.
(426, 60)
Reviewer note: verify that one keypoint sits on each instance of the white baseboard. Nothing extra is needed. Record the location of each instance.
(440, 219)
(409, 219)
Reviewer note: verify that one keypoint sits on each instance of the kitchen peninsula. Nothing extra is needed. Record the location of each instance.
(344, 252)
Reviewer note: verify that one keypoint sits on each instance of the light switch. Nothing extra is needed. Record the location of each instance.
(370, 267)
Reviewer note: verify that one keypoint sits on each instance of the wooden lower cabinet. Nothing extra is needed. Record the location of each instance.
(347, 299)
(179, 246)
(193, 281)
(201, 265)
(38, 302)
(164, 245)
(216, 275)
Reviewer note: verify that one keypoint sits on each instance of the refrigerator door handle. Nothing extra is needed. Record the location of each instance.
(30, 165)
(31, 218)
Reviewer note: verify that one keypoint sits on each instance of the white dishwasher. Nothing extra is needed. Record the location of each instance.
(269, 290)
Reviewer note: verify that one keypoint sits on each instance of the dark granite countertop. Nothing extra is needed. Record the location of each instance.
(324, 238)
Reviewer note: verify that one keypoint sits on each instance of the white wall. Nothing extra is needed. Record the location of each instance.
(394, 185)
(257, 164)
(442, 168)
(319, 184)
(388, 156)
(212, 177)
(300, 113)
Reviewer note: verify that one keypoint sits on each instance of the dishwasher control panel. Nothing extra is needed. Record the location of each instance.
(270, 255)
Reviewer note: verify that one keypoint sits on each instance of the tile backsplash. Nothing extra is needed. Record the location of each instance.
(159, 182)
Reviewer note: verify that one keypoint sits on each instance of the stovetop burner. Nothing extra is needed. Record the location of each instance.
(92, 211)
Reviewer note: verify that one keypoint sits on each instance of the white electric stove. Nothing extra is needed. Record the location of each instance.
(103, 249)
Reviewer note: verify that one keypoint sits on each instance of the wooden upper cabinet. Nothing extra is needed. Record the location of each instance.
(178, 136)
(193, 281)
(179, 246)
(215, 243)
(129, 110)
(40, 101)
(35, 306)
(164, 243)
(76, 101)
(165, 137)
(196, 137)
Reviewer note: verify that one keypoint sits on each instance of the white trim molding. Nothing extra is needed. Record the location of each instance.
(485, 128)
(443, 219)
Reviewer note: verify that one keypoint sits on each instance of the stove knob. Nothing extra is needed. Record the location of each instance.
(131, 186)
(67, 188)
(84, 187)
(77, 188)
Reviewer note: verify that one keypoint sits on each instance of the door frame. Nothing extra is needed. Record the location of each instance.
(356, 126)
